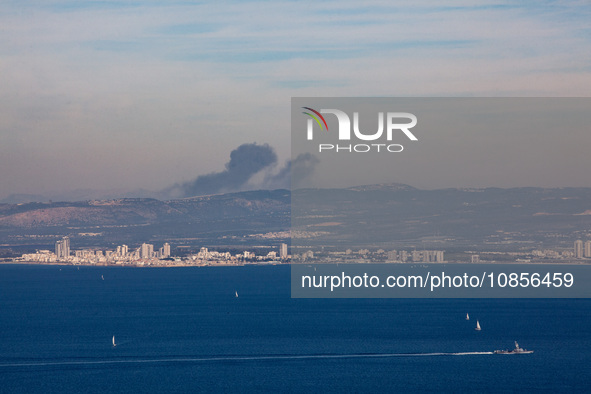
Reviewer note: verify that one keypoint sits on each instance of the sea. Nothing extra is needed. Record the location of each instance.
(184, 330)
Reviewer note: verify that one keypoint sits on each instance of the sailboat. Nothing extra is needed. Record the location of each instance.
(467, 316)
(236, 294)
(114, 344)
(477, 326)
(102, 277)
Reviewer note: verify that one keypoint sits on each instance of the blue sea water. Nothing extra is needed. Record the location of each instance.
(183, 330)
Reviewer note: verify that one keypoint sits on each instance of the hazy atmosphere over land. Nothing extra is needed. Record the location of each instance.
(122, 96)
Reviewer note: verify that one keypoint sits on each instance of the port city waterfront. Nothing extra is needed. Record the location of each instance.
(183, 329)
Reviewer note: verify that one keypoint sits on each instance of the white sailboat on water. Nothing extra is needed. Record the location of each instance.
(236, 294)
(467, 316)
(114, 344)
(477, 326)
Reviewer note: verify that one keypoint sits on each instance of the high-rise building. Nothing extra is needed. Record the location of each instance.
(166, 250)
(587, 249)
(66, 247)
(392, 255)
(147, 251)
(578, 249)
(62, 248)
(59, 248)
(283, 251)
(439, 256)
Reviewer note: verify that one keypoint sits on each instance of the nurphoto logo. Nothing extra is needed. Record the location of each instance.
(397, 124)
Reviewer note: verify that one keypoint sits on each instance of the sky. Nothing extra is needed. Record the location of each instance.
(127, 95)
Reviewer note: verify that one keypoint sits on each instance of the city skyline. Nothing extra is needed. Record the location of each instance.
(145, 254)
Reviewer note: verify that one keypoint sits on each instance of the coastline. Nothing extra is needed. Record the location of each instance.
(223, 264)
(135, 265)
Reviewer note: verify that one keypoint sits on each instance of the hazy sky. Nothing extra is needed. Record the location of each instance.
(145, 94)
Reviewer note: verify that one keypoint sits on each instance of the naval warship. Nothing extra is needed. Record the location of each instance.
(517, 350)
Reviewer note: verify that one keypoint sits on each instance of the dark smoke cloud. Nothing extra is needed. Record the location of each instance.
(246, 161)
(281, 180)
(302, 168)
(293, 173)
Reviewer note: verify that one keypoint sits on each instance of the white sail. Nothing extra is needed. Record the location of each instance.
(236, 294)
(467, 317)
(114, 344)
(477, 326)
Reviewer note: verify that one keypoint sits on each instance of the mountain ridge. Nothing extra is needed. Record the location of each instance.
(383, 213)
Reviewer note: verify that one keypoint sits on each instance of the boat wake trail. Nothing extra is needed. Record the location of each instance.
(233, 358)
(470, 353)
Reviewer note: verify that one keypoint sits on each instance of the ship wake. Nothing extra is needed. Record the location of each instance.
(233, 358)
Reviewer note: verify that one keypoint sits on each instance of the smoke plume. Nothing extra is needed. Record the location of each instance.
(293, 173)
(245, 162)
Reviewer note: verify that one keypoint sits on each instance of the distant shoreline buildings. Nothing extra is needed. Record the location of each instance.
(145, 254)
(377, 256)
(582, 250)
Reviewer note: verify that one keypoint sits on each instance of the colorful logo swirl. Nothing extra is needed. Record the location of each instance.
(315, 115)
